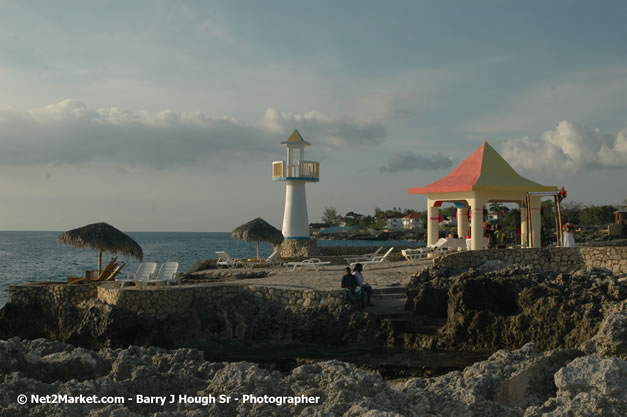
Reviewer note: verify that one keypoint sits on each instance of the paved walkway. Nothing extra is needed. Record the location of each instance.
(387, 275)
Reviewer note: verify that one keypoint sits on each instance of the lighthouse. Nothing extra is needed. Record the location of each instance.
(295, 172)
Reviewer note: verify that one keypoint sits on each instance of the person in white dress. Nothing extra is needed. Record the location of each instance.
(569, 237)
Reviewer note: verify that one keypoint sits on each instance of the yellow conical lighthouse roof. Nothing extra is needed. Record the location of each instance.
(296, 139)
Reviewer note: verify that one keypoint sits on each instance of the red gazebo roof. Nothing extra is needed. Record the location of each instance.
(483, 170)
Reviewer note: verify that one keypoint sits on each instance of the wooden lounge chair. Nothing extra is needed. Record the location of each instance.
(226, 260)
(377, 259)
(314, 263)
(167, 274)
(143, 274)
(365, 257)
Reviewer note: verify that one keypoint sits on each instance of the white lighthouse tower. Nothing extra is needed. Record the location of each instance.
(295, 172)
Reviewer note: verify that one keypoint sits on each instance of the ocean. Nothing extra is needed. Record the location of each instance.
(38, 256)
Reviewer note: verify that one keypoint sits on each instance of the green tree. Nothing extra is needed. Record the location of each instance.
(571, 212)
(366, 222)
(496, 207)
(353, 219)
(329, 215)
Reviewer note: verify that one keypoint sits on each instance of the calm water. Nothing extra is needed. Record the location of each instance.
(38, 256)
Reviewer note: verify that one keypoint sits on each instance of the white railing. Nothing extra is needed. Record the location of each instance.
(304, 169)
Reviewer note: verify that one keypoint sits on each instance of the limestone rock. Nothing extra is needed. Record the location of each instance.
(611, 339)
(509, 307)
(588, 386)
(525, 382)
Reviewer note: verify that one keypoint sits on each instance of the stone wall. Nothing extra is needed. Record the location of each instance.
(612, 258)
(552, 259)
(177, 299)
(51, 295)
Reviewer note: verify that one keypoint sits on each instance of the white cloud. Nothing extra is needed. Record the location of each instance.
(334, 132)
(413, 162)
(70, 132)
(577, 95)
(568, 148)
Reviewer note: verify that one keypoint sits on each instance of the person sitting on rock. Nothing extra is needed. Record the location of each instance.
(365, 288)
(350, 284)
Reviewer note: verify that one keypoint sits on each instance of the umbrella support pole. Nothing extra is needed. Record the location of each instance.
(257, 249)
(99, 262)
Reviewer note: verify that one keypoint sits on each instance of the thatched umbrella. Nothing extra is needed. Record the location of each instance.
(104, 238)
(258, 230)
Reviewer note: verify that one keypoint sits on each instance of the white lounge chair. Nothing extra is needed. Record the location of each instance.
(376, 260)
(365, 257)
(167, 274)
(273, 260)
(144, 272)
(314, 263)
(226, 260)
(415, 254)
(438, 249)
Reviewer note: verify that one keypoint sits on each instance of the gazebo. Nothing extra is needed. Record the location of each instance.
(481, 178)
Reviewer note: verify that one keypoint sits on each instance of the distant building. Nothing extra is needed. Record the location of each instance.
(394, 223)
(413, 221)
(494, 216)
(621, 216)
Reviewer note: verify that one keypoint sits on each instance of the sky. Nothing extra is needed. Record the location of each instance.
(167, 116)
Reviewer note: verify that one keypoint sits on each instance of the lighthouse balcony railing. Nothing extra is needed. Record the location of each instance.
(302, 170)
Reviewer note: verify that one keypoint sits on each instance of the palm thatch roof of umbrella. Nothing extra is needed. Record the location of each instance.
(104, 238)
(258, 230)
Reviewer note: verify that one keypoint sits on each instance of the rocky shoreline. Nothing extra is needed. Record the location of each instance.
(576, 364)
(493, 307)
(525, 382)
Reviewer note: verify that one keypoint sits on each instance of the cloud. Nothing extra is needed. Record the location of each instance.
(578, 94)
(568, 148)
(333, 132)
(70, 132)
(413, 162)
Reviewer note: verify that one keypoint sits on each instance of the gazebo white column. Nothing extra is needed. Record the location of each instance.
(462, 222)
(476, 218)
(536, 221)
(433, 225)
(523, 224)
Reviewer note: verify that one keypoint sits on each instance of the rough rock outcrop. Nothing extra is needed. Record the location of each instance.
(506, 308)
(93, 324)
(526, 382)
(611, 339)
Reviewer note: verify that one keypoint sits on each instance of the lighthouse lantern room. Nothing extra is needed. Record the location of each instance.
(295, 171)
